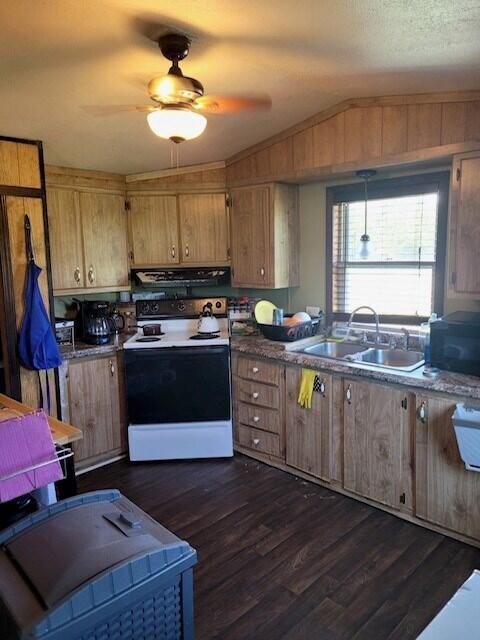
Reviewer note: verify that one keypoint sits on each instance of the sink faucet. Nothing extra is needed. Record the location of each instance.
(377, 328)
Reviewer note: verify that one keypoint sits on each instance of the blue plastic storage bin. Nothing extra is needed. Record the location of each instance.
(95, 567)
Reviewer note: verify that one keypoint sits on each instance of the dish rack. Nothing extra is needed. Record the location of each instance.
(62, 454)
(290, 333)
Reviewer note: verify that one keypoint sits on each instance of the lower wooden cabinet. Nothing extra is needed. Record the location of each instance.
(446, 493)
(308, 430)
(377, 452)
(95, 397)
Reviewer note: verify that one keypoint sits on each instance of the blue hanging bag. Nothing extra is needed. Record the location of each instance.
(37, 346)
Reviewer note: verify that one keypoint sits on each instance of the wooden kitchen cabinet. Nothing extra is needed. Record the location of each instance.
(204, 228)
(66, 251)
(95, 398)
(446, 494)
(377, 443)
(104, 228)
(264, 234)
(308, 430)
(20, 164)
(464, 258)
(154, 235)
(88, 240)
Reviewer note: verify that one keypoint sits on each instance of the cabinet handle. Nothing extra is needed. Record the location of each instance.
(322, 387)
(255, 369)
(173, 251)
(187, 251)
(112, 368)
(256, 418)
(255, 395)
(91, 275)
(256, 441)
(76, 275)
(422, 412)
(262, 271)
(348, 394)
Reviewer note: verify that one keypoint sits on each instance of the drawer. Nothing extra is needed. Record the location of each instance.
(265, 419)
(258, 440)
(253, 369)
(256, 393)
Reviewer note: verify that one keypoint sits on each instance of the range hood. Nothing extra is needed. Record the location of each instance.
(157, 278)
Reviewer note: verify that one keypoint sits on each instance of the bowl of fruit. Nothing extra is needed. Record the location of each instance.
(294, 327)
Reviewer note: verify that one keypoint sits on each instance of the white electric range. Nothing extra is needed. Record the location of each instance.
(178, 382)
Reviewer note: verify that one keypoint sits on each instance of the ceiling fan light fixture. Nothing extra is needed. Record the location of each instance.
(176, 124)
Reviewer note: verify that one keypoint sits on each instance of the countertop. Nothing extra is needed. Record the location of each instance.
(443, 382)
(62, 433)
(83, 350)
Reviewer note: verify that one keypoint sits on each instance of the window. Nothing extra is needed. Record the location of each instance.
(402, 275)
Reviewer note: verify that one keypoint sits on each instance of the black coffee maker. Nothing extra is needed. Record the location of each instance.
(94, 322)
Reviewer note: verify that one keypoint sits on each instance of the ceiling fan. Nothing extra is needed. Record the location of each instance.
(179, 103)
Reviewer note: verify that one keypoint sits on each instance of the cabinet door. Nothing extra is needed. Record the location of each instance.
(104, 239)
(377, 460)
(154, 230)
(65, 235)
(464, 260)
(308, 430)
(94, 406)
(446, 493)
(251, 233)
(204, 228)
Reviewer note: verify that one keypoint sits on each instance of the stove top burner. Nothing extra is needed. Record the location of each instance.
(205, 336)
(148, 339)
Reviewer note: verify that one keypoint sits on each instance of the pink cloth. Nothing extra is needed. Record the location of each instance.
(24, 442)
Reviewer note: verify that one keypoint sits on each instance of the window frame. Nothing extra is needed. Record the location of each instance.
(385, 188)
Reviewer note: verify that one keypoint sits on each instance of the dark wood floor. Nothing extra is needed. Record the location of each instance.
(283, 558)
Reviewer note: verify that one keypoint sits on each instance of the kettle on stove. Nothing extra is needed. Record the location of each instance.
(208, 323)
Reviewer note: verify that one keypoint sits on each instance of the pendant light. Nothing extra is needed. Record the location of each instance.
(365, 247)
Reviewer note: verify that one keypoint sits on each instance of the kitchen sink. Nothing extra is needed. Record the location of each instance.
(392, 358)
(336, 350)
(361, 354)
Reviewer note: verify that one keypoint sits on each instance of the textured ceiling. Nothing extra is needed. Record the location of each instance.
(59, 56)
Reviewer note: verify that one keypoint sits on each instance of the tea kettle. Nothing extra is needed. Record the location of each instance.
(208, 323)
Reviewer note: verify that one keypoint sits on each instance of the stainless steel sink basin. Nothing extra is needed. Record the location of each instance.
(333, 349)
(392, 358)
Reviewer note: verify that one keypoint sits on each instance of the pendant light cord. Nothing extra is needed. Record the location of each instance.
(366, 202)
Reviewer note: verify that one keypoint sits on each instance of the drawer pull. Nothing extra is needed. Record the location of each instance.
(256, 418)
(76, 275)
(422, 412)
(91, 275)
(348, 394)
(112, 368)
(255, 369)
(255, 395)
(256, 441)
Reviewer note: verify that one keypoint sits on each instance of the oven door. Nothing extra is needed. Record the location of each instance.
(178, 384)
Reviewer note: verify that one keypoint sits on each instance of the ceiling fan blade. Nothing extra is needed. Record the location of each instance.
(112, 109)
(232, 104)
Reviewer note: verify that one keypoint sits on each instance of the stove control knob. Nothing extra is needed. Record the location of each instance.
(181, 306)
(218, 304)
(155, 307)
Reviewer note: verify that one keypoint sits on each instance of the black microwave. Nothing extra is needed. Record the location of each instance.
(455, 343)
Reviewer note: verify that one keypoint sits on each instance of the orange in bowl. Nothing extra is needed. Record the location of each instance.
(288, 322)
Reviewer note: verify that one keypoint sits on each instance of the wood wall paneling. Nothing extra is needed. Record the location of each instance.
(473, 121)
(424, 126)
(363, 133)
(28, 166)
(9, 174)
(454, 122)
(394, 129)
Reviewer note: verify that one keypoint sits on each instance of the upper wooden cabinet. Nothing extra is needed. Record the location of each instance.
(104, 224)
(446, 493)
(20, 164)
(464, 257)
(377, 450)
(153, 230)
(264, 232)
(204, 228)
(184, 229)
(308, 430)
(88, 240)
(66, 250)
